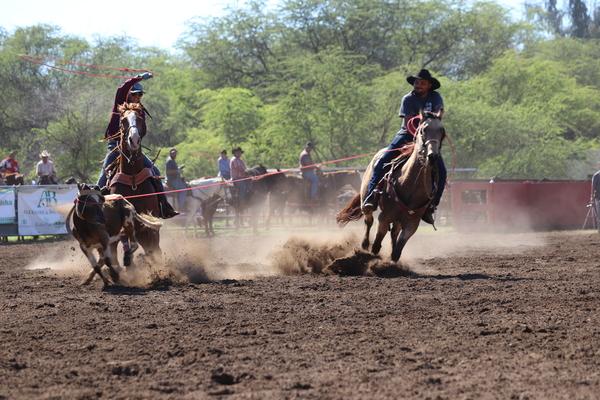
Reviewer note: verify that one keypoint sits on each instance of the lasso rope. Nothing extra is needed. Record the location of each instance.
(43, 61)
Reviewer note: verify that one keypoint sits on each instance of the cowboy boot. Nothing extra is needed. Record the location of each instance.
(371, 201)
(166, 209)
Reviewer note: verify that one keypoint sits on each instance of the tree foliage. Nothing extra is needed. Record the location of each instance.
(519, 103)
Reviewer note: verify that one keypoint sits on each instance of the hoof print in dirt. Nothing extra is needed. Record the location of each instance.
(223, 378)
(355, 265)
(391, 270)
(301, 386)
(125, 370)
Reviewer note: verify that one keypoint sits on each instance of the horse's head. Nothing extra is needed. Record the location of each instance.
(429, 136)
(132, 125)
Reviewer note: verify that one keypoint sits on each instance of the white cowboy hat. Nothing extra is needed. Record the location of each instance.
(44, 153)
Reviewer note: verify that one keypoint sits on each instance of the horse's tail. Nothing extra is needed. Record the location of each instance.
(148, 221)
(352, 211)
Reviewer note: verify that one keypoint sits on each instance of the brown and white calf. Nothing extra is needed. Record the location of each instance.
(97, 222)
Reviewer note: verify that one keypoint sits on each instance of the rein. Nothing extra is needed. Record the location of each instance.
(417, 133)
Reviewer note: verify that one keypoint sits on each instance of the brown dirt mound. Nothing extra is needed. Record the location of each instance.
(301, 256)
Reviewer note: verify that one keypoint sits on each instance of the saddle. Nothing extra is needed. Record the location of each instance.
(389, 169)
(131, 180)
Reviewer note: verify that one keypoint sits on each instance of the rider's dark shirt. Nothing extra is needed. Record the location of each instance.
(120, 98)
(412, 105)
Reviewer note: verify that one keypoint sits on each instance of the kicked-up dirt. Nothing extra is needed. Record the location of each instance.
(474, 317)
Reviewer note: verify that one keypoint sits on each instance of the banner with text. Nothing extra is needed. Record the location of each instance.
(8, 214)
(37, 209)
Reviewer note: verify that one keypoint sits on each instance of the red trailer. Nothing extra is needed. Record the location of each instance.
(519, 204)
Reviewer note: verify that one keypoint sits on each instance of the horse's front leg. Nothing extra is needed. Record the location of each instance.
(368, 224)
(407, 231)
(205, 221)
(382, 228)
(394, 232)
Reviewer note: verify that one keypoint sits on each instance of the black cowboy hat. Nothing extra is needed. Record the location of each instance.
(426, 75)
(237, 149)
(310, 144)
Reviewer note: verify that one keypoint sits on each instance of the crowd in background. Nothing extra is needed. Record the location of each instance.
(45, 171)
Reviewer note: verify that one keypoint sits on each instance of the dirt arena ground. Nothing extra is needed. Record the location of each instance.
(478, 316)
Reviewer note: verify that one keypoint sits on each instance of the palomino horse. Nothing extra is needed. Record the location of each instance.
(408, 190)
(131, 178)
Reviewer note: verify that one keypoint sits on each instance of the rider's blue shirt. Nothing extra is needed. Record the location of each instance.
(412, 105)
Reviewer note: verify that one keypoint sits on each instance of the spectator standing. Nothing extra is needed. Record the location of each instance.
(238, 171)
(224, 167)
(175, 180)
(309, 170)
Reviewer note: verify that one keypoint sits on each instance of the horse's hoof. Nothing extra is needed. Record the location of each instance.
(375, 249)
(114, 276)
(127, 258)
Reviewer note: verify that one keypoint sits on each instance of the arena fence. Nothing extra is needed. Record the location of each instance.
(467, 205)
(32, 210)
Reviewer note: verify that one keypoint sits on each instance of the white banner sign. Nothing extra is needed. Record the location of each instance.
(36, 209)
(8, 214)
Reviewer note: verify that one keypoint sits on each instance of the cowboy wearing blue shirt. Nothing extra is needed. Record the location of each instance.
(223, 163)
(424, 98)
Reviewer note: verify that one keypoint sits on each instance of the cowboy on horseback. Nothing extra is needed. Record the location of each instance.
(423, 98)
(45, 170)
(131, 91)
(9, 169)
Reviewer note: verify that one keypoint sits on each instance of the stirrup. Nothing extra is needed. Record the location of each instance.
(371, 201)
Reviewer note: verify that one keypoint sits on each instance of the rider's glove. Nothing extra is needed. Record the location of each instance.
(145, 75)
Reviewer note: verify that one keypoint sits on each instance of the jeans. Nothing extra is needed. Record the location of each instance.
(112, 156)
(392, 152)
(243, 189)
(311, 176)
(176, 185)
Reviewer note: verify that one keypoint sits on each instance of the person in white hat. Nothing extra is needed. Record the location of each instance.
(45, 170)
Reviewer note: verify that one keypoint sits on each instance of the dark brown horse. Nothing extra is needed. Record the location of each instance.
(131, 178)
(408, 190)
(15, 179)
(260, 185)
(293, 192)
(330, 184)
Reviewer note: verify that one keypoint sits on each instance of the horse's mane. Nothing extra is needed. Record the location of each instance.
(257, 170)
(137, 107)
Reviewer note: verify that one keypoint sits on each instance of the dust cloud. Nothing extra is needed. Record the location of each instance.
(311, 250)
